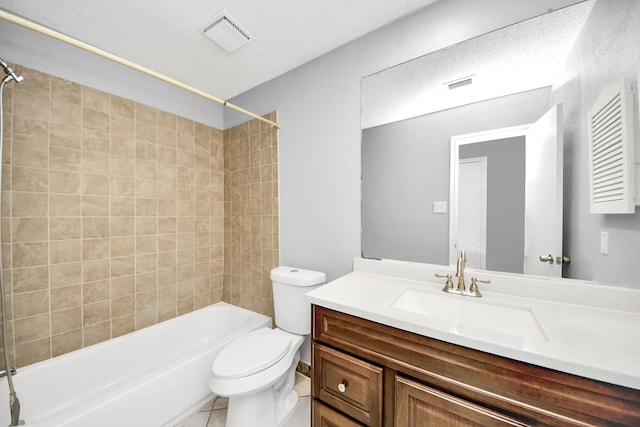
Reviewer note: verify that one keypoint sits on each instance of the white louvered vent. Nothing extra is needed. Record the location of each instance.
(612, 151)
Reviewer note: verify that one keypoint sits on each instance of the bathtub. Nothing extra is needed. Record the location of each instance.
(152, 377)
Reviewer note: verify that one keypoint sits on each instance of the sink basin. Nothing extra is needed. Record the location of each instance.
(505, 324)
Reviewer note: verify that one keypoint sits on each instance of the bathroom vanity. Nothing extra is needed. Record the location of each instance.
(382, 357)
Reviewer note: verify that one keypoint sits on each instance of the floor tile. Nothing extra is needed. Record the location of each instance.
(300, 417)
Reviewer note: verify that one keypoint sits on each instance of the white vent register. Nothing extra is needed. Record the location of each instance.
(612, 151)
(226, 32)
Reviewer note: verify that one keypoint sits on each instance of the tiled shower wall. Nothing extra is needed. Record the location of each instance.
(114, 216)
(250, 214)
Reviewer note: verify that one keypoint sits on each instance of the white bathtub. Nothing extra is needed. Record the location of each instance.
(152, 377)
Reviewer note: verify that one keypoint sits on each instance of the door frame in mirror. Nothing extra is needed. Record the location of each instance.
(456, 142)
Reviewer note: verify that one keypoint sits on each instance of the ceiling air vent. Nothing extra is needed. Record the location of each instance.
(226, 32)
(612, 151)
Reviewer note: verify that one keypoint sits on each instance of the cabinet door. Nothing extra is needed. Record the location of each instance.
(324, 416)
(420, 406)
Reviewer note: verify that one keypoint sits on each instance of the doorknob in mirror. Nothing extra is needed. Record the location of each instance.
(548, 258)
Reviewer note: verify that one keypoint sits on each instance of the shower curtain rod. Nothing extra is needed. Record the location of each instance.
(89, 48)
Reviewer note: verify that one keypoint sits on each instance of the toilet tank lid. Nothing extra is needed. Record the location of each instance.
(297, 276)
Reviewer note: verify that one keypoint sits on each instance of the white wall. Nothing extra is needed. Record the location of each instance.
(44, 54)
(319, 109)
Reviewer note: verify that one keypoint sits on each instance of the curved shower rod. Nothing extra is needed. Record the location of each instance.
(23, 22)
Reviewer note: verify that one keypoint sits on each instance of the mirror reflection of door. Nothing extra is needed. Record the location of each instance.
(524, 193)
(472, 210)
(543, 202)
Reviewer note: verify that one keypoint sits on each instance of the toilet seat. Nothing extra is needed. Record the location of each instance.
(251, 353)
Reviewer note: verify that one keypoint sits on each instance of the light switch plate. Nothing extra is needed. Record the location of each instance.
(604, 243)
(439, 207)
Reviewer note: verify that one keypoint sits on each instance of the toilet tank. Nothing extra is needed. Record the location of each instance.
(291, 308)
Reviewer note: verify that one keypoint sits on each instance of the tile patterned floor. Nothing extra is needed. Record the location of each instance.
(215, 416)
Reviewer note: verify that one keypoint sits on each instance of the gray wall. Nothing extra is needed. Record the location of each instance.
(505, 200)
(596, 62)
(405, 168)
(319, 108)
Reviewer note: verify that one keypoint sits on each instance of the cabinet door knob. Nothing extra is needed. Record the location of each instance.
(342, 387)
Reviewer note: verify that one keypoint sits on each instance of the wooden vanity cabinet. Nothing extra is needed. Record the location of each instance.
(368, 374)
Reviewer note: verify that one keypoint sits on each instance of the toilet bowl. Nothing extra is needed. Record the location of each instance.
(257, 370)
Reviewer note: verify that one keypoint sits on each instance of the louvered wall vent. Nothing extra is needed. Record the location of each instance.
(612, 151)
(226, 32)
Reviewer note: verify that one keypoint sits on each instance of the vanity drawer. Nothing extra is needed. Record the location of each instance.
(324, 416)
(350, 385)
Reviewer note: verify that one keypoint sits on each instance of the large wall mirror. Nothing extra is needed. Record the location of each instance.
(424, 120)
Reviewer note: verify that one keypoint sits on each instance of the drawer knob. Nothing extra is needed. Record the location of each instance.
(342, 387)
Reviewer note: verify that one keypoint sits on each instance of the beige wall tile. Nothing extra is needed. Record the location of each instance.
(95, 270)
(33, 351)
(95, 333)
(123, 325)
(93, 249)
(123, 226)
(30, 279)
(65, 182)
(95, 205)
(29, 204)
(95, 139)
(65, 274)
(30, 304)
(63, 205)
(31, 328)
(146, 281)
(28, 130)
(146, 244)
(93, 227)
(123, 146)
(94, 313)
(95, 184)
(29, 229)
(64, 159)
(95, 120)
(122, 286)
(65, 135)
(30, 254)
(65, 251)
(66, 320)
(66, 342)
(65, 113)
(96, 100)
(66, 91)
(123, 306)
(116, 212)
(96, 163)
(27, 154)
(67, 297)
(122, 246)
(122, 107)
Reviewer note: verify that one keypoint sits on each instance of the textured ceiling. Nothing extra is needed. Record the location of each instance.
(164, 36)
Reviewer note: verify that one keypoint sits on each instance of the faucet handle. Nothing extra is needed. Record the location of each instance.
(448, 286)
(473, 289)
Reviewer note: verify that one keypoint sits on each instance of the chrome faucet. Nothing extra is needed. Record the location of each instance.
(461, 289)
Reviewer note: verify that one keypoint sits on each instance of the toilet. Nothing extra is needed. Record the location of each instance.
(257, 370)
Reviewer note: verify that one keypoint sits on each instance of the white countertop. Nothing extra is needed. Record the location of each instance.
(595, 334)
